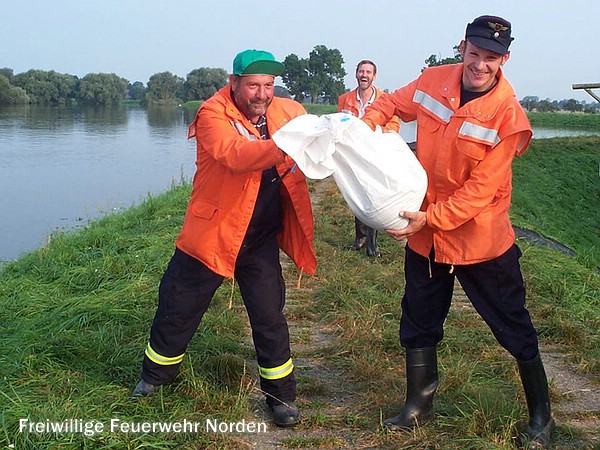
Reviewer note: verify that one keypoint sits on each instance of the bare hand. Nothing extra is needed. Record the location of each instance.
(416, 221)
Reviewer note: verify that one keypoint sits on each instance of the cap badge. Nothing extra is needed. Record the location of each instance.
(497, 26)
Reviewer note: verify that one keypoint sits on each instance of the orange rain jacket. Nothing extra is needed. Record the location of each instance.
(349, 103)
(467, 153)
(229, 164)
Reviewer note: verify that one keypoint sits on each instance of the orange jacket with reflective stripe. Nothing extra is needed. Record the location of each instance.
(349, 103)
(467, 152)
(230, 158)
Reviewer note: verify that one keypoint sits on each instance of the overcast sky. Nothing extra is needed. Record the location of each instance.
(557, 43)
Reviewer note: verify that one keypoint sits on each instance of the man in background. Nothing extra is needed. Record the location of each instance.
(355, 102)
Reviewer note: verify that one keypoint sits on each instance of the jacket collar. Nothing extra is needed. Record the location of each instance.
(483, 108)
(234, 114)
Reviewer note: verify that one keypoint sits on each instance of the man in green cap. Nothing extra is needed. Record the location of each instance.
(248, 201)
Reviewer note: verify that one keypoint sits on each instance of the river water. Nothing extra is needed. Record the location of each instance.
(62, 167)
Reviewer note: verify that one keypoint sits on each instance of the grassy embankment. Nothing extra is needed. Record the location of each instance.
(565, 120)
(75, 316)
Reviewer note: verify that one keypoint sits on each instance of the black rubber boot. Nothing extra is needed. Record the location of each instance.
(361, 236)
(285, 414)
(421, 384)
(372, 249)
(144, 389)
(535, 385)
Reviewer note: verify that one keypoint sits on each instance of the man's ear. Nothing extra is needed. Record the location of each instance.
(461, 48)
(505, 58)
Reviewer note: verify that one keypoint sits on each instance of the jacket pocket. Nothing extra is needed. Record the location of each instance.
(428, 123)
(468, 156)
(204, 210)
(473, 150)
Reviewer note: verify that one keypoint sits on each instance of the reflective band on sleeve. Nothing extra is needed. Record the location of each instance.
(160, 359)
(277, 372)
(433, 106)
(487, 135)
(243, 131)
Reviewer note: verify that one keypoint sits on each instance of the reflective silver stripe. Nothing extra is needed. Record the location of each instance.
(160, 359)
(277, 372)
(487, 135)
(432, 105)
(243, 131)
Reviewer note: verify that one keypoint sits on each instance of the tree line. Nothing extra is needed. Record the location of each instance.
(319, 78)
(57, 89)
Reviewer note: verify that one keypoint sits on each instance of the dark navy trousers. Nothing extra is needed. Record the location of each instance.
(495, 288)
(186, 290)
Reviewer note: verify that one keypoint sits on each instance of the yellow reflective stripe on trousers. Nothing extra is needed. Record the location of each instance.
(278, 372)
(160, 359)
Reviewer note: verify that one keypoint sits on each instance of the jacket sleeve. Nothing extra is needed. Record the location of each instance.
(393, 125)
(478, 191)
(217, 136)
(340, 104)
(398, 103)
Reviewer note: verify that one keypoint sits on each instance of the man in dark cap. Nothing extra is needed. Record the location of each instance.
(470, 126)
(248, 200)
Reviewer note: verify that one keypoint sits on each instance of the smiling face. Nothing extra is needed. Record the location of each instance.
(253, 94)
(480, 67)
(365, 75)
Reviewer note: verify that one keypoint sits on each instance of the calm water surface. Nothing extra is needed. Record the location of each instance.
(62, 167)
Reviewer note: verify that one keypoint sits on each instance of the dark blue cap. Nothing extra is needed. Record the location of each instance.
(491, 33)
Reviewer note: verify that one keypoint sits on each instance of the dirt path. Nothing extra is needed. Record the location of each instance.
(325, 392)
(575, 397)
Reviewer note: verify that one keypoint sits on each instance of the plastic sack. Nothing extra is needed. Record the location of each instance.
(376, 172)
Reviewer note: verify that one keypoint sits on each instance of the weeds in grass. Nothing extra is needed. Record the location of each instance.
(75, 317)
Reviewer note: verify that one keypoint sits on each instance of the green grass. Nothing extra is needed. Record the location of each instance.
(557, 193)
(319, 109)
(75, 316)
(577, 121)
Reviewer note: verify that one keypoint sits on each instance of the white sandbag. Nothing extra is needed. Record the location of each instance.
(376, 172)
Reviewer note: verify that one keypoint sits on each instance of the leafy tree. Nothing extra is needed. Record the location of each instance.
(203, 83)
(67, 86)
(571, 105)
(280, 91)
(327, 74)
(7, 73)
(11, 95)
(296, 76)
(434, 61)
(530, 102)
(136, 90)
(102, 89)
(320, 77)
(546, 106)
(47, 88)
(164, 87)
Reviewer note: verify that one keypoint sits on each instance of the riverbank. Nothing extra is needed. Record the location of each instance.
(76, 314)
(556, 120)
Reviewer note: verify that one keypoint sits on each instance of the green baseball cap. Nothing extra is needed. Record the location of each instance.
(256, 62)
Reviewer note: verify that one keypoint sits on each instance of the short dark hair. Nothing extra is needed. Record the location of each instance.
(366, 61)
